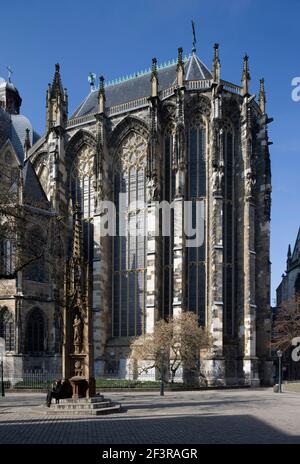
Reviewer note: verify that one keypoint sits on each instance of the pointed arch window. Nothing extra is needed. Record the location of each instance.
(82, 191)
(168, 190)
(129, 248)
(197, 186)
(228, 233)
(82, 187)
(35, 331)
(6, 256)
(7, 329)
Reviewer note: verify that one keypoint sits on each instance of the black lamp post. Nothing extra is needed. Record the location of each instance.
(162, 391)
(2, 379)
(279, 354)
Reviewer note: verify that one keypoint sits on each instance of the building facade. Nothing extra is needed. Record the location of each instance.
(287, 300)
(177, 133)
(289, 287)
(28, 315)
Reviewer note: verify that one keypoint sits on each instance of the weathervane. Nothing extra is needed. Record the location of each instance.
(194, 37)
(92, 79)
(10, 71)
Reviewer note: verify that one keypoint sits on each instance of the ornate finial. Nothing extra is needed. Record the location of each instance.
(92, 80)
(57, 88)
(154, 67)
(180, 68)
(289, 254)
(194, 37)
(10, 72)
(101, 95)
(101, 82)
(246, 76)
(262, 96)
(154, 78)
(216, 70)
(27, 144)
(179, 59)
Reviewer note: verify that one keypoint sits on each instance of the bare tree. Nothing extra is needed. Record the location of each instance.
(180, 338)
(287, 324)
(29, 232)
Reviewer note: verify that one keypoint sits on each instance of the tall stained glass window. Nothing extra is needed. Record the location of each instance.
(7, 329)
(82, 190)
(196, 255)
(35, 332)
(228, 234)
(168, 196)
(130, 242)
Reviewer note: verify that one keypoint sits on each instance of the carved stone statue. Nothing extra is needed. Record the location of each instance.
(77, 326)
(267, 204)
(217, 179)
(152, 189)
(250, 184)
(180, 141)
(98, 198)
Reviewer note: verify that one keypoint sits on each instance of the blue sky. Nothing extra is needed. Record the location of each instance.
(121, 36)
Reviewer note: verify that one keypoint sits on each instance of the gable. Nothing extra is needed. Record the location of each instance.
(9, 164)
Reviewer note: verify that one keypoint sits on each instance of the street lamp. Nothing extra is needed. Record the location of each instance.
(2, 380)
(162, 352)
(279, 354)
(2, 348)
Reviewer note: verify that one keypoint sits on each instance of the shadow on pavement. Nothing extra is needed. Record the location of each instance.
(195, 429)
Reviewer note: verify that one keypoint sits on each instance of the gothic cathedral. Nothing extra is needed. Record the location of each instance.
(177, 133)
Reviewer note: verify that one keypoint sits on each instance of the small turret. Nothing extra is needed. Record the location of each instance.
(180, 69)
(27, 144)
(262, 96)
(154, 78)
(246, 76)
(289, 257)
(216, 68)
(56, 102)
(101, 96)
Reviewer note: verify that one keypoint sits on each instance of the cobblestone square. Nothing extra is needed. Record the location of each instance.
(207, 417)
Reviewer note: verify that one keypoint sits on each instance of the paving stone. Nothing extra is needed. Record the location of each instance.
(227, 416)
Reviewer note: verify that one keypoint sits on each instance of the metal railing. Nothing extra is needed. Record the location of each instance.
(232, 87)
(30, 380)
(131, 105)
(200, 84)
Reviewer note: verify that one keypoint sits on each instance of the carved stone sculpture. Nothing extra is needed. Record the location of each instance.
(77, 326)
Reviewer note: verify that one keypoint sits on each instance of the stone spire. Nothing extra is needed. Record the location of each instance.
(288, 258)
(194, 37)
(101, 96)
(27, 144)
(57, 88)
(262, 96)
(246, 76)
(154, 78)
(180, 68)
(216, 68)
(56, 102)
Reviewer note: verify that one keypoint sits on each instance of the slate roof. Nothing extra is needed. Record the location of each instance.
(33, 190)
(13, 127)
(139, 86)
